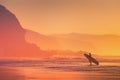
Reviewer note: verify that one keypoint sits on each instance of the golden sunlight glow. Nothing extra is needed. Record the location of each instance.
(63, 17)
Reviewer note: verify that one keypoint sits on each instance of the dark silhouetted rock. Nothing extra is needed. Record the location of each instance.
(12, 37)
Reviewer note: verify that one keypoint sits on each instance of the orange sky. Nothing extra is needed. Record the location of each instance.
(67, 16)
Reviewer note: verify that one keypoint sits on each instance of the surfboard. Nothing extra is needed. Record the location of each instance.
(91, 59)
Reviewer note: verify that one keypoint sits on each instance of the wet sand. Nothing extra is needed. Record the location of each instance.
(10, 74)
(31, 73)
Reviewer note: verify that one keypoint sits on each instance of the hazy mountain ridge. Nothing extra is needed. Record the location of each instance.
(86, 42)
(13, 43)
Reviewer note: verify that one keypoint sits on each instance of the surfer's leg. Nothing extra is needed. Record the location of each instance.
(90, 63)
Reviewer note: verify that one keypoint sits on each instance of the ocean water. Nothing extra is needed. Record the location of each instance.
(58, 70)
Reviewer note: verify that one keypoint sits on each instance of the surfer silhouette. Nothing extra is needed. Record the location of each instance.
(91, 59)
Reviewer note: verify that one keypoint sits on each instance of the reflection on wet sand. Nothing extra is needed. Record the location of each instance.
(41, 74)
(10, 74)
(35, 73)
